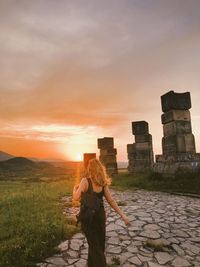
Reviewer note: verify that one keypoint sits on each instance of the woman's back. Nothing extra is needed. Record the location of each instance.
(97, 189)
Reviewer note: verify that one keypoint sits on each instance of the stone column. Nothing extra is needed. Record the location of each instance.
(108, 154)
(178, 143)
(140, 153)
(177, 129)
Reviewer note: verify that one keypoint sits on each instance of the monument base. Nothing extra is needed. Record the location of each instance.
(178, 164)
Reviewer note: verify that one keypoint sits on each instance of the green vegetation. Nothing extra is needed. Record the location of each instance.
(115, 262)
(182, 183)
(121, 203)
(156, 246)
(32, 223)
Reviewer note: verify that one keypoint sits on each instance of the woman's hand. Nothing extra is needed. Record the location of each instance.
(76, 187)
(126, 220)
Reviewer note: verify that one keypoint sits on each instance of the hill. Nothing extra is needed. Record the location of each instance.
(5, 156)
(18, 163)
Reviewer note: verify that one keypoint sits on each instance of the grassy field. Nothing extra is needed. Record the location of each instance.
(187, 183)
(31, 221)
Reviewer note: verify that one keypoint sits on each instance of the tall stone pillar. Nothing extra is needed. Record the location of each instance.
(108, 154)
(140, 153)
(178, 143)
(177, 129)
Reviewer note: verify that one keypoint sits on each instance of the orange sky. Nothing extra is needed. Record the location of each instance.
(75, 72)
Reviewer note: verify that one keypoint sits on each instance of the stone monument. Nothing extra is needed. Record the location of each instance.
(178, 143)
(140, 153)
(108, 154)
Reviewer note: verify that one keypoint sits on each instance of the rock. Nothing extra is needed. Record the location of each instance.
(113, 227)
(150, 234)
(56, 261)
(64, 245)
(180, 262)
(76, 244)
(153, 264)
(135, 260)
(80, 263)
(179, 250)
(194, 249)
(114, 249)
(151, 227)
(163, 257)
(180, 233)
(143, 258)
(125, 256)
(71, 261)
(176, 229)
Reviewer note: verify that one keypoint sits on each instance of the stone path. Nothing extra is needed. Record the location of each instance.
(164, 231)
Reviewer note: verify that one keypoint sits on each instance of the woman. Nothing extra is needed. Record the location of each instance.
(95, 234)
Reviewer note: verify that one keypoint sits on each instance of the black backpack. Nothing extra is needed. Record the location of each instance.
(90, 204)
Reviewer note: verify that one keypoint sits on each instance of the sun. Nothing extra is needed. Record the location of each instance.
(79, 157)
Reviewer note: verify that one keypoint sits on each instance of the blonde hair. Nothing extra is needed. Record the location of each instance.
(97, 172)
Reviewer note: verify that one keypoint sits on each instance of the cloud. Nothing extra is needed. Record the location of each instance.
(95, 64)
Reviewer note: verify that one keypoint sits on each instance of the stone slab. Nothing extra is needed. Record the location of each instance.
(142, 146)
(105, 143)
(175, 115)
(105, 152)
(175, 101)
(108, 159)
(142, 138)
(175, 144)
(140, 127)
(177, 127)
(130, 148)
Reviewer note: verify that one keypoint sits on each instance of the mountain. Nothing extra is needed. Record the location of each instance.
(5, 156)
(19, 160)
(46, 160)
(18, 163)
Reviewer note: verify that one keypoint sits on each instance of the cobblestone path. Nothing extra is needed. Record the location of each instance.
(164, 231)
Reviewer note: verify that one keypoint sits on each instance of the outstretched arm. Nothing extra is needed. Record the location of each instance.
(78, 189)
(114, 205)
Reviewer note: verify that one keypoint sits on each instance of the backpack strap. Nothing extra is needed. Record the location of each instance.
(90, 188)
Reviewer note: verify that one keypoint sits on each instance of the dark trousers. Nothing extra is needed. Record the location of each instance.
(95, 235)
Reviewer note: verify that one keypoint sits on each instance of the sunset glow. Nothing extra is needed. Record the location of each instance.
(79, 71)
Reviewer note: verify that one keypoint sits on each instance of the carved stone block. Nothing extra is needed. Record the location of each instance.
(140, 127)
(107, 159)
(177, 101)
(177, 127)
(143, 138)
(110, 151)
(178, 144)
(105, 143)
(175, 115)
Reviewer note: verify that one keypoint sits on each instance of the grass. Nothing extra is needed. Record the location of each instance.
(156, 246)
(121, 203)
(31, 221)
(181, 183)
(115, 262)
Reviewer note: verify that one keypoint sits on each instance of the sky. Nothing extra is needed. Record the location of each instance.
(75, 71)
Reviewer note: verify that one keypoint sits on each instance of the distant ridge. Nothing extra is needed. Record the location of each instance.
(20, 160)
(18, 163)
(5, 156)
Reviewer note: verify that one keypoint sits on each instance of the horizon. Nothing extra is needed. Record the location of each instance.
(78, 71)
